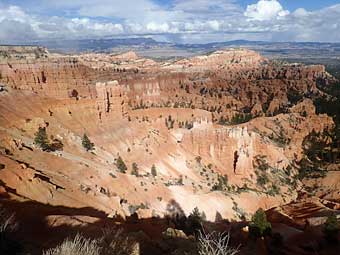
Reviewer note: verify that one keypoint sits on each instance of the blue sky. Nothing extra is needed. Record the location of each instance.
(187, 21)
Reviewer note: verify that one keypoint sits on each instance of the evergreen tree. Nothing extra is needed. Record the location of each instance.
(153, 171)
(331, 229)
(135, 169)
(196, 213)
(121, 165)
(194, 223)
(259, 226)
(87, 144)
(41, 139)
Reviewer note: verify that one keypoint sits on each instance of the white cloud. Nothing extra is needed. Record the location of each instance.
(300, 12)
(214, 24)
(265, 10)
(183, 20)
(159, 28)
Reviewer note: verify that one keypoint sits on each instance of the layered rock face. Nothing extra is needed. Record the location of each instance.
(184, 118)
(51, 77)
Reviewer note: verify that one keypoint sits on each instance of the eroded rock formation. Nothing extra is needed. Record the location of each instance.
(232, 115)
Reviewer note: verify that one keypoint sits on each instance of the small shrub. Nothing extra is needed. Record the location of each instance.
(198, 159)
(331, 229)
(74, 93)
(259, 226)
(121, 165)
(153, 171)
(135, 169)
(87, 144)
(180, 181)
(262, 180)
(241, 118)
(56, 145)
(221, 184)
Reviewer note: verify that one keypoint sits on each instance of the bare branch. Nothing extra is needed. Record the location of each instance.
(215, 244)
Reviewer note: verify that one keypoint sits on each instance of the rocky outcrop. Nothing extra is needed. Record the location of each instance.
(55, 78)
(184, 120)
(236, 58)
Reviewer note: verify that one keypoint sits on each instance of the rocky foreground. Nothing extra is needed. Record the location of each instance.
(224, 133)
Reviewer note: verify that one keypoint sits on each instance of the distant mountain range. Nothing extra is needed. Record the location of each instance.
(151, 48)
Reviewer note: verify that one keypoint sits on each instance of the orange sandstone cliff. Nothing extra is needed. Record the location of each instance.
(222, 131)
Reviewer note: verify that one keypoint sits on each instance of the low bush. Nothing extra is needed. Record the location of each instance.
(121, 165)
(87, 144)
(331, 229)
(259, 226)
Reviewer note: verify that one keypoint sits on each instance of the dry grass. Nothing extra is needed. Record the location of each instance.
(8, 226)
(7, 221)
(113, 242)
(77, 246)
(215, 244)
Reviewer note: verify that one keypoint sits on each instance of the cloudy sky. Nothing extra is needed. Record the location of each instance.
(184, 21)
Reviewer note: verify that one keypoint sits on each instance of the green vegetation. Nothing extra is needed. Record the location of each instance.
(274, 190)
(320, 149)
(194, 221)
(153, 171)
(121, 165)
(222, 183)
(279, 138)
(328, 143)
(261, 163)
(262, 180)
(223, 121)
(41, 139)
(87, 144)
(135, 169)
(294, 96)
(241, 118)
(331, 229)
(259, 226)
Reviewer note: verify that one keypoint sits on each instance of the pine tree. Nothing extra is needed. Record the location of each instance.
(41, 139)
(331, 229)
(87, 144)
(153, 171)
(194, 223)
(259, 226)
(196, 213)
(121, 165)
(135, 169)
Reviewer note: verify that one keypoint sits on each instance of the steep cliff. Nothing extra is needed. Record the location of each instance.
(221, 130)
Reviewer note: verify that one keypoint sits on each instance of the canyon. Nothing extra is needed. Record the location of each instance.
(224, 132)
